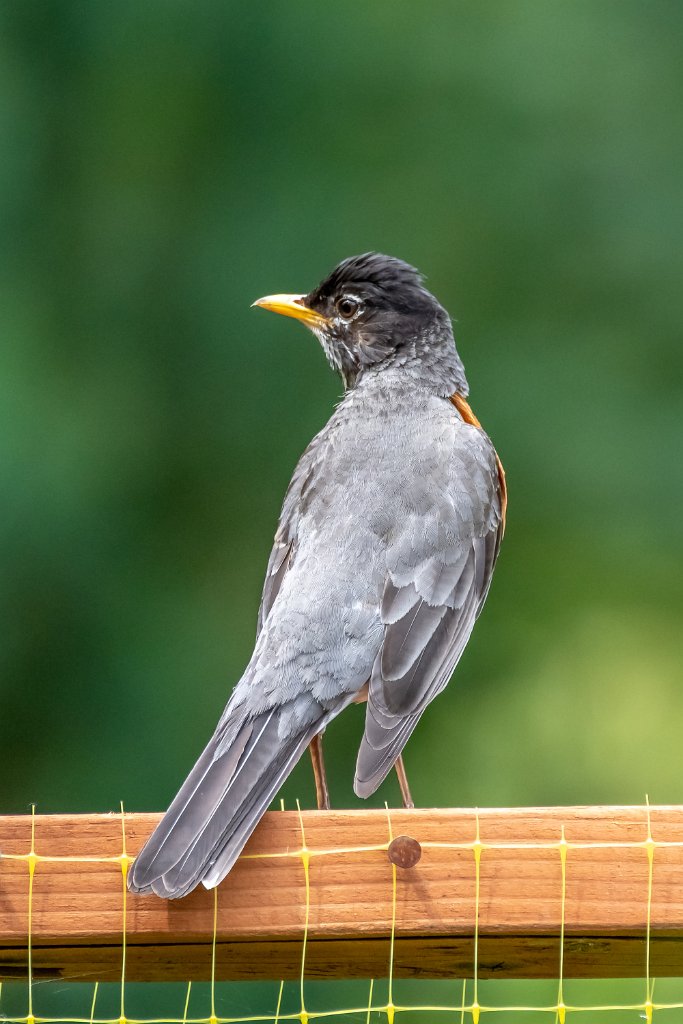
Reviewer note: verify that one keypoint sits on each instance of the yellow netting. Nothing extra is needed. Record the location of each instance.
(466, 1002)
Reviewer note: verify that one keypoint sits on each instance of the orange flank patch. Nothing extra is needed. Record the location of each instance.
(463, 407)
(465, 410)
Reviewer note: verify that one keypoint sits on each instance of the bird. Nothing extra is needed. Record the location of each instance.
(382, 560)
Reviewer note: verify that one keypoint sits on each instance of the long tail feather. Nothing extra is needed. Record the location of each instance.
(221, 801)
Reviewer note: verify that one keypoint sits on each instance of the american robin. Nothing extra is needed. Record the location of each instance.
(382, 560)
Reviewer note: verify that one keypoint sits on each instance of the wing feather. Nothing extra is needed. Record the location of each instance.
(439, 572)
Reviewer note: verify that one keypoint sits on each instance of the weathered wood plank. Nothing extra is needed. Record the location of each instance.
(77, 905)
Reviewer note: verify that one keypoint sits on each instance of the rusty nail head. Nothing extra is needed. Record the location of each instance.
(404, 851)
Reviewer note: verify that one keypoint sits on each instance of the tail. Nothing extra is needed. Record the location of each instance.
(220, 803)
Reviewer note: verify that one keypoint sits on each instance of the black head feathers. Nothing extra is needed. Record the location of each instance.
(383, 281)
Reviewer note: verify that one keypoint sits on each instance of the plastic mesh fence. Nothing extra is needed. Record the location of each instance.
(652, 911)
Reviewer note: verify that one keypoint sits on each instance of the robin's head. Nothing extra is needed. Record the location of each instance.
(374, 311)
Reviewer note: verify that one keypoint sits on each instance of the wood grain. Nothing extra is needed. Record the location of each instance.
(78, 918)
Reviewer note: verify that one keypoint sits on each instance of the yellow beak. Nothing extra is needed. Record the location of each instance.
(292, 305)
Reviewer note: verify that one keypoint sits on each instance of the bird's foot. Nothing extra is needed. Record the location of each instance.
(403, 782)
(322, 793)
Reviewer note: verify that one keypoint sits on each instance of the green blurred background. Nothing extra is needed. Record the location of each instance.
(163, 164)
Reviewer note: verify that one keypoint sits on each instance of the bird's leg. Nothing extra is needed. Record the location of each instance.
(321, 791)
(403, 782)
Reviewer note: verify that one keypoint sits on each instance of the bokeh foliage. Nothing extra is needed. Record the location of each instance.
(163, 164)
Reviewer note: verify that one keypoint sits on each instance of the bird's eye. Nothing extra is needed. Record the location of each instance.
(347, 307)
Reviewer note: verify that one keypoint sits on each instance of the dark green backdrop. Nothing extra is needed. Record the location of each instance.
(163, 164)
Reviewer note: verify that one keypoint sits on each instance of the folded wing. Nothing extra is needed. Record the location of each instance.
(440, 564)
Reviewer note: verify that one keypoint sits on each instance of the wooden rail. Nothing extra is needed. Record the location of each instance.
(615, 863)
